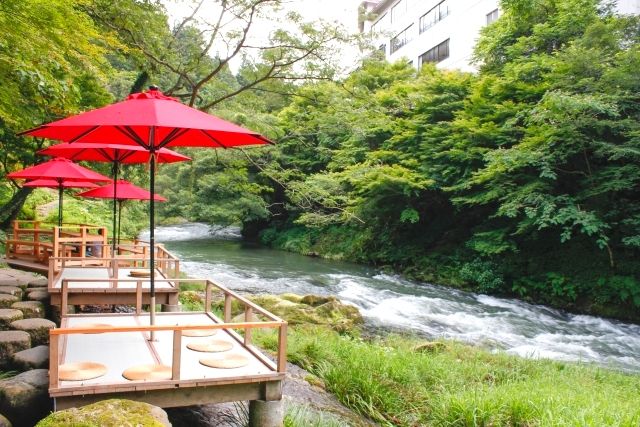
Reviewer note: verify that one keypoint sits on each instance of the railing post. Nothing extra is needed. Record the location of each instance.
(54, 361)
(248, 311)
(175, 360)
(64, 299)
(227, 308)
(282, 348)
(138, 297)
(207, 297)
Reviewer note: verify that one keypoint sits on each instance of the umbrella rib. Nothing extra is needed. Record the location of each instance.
(213, 139)
(83, 134)
(128, 132)
(173, 135)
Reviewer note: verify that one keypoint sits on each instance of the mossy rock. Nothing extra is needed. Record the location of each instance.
(30, 309)
(11, 290)
(8, 315)
(7, 300)
(113, 412)
(324, 311)
(24, 399)
(430, 347)
(37, 328)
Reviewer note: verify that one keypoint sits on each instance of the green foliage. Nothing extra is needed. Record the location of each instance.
(391, 382)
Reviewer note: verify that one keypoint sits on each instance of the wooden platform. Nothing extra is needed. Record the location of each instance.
(26, 265)
(123, 342)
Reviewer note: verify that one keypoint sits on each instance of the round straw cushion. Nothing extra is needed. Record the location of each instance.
(148, 372)
(199, 332)
(211, 346)
(81, 371)
(140, 273)
(225, 361)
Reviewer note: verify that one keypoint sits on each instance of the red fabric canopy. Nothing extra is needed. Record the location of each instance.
(120, 153)
(60, 170)
(124, 191)
(149, 119)
(52, 183)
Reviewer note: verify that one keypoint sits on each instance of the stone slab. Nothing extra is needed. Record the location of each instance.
(42, 296)
(11, 290)
(30, 309)
(7, 300)
(24, 399)
(33, 358)
(8, 315)
(12, 342)
(37, 328)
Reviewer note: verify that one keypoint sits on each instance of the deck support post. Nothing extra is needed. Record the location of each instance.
(263, 413)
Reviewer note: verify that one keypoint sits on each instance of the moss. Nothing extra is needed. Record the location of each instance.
(112, 412)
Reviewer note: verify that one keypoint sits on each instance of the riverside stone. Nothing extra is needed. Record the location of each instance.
(37, 328)
(4, 422)
(33, 358)
(24, 399)
(7, 300)
(12, 342)
(42, 296)
(113, 412)
(8, 315)
(40, 282)
(30, 309)
(11, 290)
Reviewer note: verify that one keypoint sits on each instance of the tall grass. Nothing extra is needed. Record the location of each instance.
(453, 384)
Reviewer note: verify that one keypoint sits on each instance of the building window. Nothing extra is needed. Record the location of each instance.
(435, 15)
(401, 39)
(436, 54)
(492, 16)
(398, 10)
(380, 24)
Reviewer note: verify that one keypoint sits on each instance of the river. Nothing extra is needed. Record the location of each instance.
(391, 302)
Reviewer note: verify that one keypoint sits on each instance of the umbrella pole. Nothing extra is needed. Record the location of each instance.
(119, 218)
(152, 239)
(60, 188)
(115, 189)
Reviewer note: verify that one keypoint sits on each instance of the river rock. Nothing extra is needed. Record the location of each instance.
(7, 300)
(325, 311)
(12, 342)
(113, 412)
(8, 315)
(24, 399)
(40, 282)
(37, 328)
(30, 309)
(42, 296)
(4, 422)
(33, 358)
(11, 290)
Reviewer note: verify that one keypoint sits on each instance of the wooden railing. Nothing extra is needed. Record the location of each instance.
(38, 241)
(247, 326)
(166, 263)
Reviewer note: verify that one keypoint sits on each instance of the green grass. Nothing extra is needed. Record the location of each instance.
(459, 385)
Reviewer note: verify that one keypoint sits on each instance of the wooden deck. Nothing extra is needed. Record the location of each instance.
(122, 341)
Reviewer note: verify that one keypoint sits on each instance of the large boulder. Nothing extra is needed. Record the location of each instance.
(8, 315)
(12, 342)
(42, 296)
(113, 412)
(30, 309)
(7, 300)
(24, 399)
(37, 328)
(313, 309)
(11, 290)
(38, 283)
(33, 358)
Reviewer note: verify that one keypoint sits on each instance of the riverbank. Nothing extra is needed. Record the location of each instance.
(565, 279)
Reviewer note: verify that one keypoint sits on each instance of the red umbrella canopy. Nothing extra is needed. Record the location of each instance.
(60, 170)
(52, 183)
(119, 153)
(152, 120)
(124, 191)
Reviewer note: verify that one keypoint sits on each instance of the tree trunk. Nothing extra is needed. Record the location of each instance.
(11, 209)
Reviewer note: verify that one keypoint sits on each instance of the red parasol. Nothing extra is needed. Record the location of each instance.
(112, 153)
(61, 171)
(151, 120)
(52, 183)
(124, 190)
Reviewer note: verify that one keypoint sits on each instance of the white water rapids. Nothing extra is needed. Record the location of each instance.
(389, 301)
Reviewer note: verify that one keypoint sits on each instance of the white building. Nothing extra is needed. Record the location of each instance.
(440, 31)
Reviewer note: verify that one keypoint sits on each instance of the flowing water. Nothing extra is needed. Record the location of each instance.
(388, 301)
